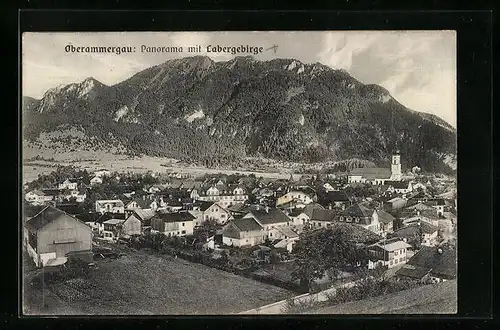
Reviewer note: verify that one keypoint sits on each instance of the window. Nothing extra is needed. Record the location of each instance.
(183, 231)
(247, 240)
(396, 261)
(357, 220)
(390, 263)
(183, 224)
(270, 234)
(396, 253)
(177, 233)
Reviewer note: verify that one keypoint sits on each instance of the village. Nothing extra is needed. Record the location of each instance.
(305, 234)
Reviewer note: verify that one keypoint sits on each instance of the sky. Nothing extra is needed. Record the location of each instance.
(418, 68)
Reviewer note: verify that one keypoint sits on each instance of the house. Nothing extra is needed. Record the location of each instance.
(386, 221)
(224, 195)
(269, 219)
(431, 265)
(361, 215)
(399, 187)
(173, 224)
(144, 216)
(294, 196)
(438, 204)
(243, 232)
(388, 253)
(198, 212)
(377, 176)
(286, 244)
(112, 229)
(323, 218)
(132, 225)
(421, 232)
(38, 197)
(99, 223)
(142, 203)
(96, 180)
(328, 187)
(110, 206)
(217, 213)
(396, 203)
(51, 234)
(336, 199)
(68, 184)
(102, 172)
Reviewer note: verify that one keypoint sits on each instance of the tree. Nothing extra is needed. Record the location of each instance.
(321, 250)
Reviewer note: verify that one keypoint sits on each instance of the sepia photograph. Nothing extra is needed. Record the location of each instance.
(239, 173)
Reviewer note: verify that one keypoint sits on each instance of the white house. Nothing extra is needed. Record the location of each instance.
(296, 196)
(96, 180)
(173, 224)
(243, 232)
(67, 184)
(389, 253)
(224, 195)
(218, 213)
(102, 173)
(109, 206)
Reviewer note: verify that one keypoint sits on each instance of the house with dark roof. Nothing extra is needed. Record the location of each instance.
(243, 232)
(388, 253)
(386, 222)
(431, 265)
(173, 223)
(335, 199)
(418, 233)
(295, 197)
(52, 234)
(110, 206)
(269, 219)
(323, 218)
(362, 215)
(399, 187)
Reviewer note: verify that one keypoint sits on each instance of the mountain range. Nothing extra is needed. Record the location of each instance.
(214, 113)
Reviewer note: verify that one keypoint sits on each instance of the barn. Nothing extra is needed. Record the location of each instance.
(52, 234)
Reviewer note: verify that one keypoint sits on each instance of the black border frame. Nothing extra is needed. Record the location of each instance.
(474, 123)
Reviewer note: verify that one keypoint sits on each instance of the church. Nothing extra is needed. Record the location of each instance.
(376, 175)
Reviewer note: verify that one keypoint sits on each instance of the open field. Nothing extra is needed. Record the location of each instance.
(141, 283)
(92, 161)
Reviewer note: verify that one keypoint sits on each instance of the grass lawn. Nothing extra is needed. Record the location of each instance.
(141, 283)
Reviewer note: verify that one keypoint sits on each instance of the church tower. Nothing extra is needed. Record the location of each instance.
(396, 166)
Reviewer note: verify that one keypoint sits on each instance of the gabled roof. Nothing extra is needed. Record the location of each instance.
(115, 202)
(143, 203)
(372, 172)
(336, 196)
(398, 184)
(173, 217)
(269, 216)
(324, 215)
(413, 229)
(204, 205)
(238, 207)
(287, 232)
(114, 221)
(309, 209)
(441, 264)
(246, 224)
(144, 214)
(106, 216)
(393, 244)
(357, 210)
(88, 217)
(385, 217)
(46, 216)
